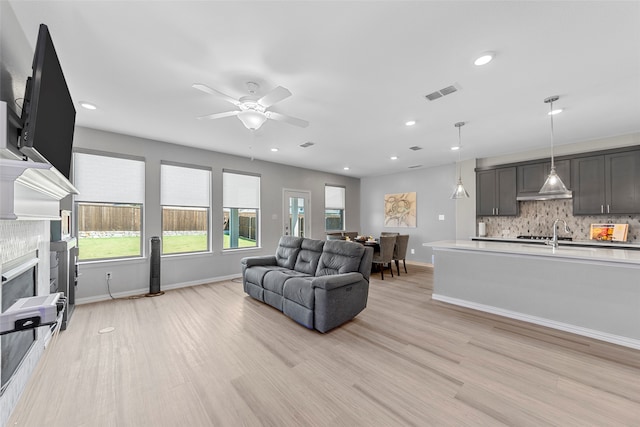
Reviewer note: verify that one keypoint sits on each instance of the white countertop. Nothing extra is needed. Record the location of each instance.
(606, 254)
(624, 245)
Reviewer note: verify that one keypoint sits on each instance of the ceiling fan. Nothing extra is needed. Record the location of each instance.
(253, 111)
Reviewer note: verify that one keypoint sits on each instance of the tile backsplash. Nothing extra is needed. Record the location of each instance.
(537, 216)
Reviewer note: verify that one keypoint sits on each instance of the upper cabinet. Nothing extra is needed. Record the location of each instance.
(532, 176)
(496, 192)
(607, 184)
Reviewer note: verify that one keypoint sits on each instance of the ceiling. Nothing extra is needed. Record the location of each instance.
(358, 70)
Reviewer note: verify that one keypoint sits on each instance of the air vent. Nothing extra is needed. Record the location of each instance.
(442, 92)
(433, 96)
(447, 90)
(415, 166)
(415, 148)
(307, 144)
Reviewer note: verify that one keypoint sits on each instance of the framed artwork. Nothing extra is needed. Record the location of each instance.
(400, 210)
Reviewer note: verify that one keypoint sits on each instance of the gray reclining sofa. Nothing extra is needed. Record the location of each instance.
(319, 284)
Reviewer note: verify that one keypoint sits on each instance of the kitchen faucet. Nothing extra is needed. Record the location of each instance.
(554, 241)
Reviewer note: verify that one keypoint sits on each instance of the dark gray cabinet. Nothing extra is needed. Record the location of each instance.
(532, 176)
(496, 192)
(607, 184)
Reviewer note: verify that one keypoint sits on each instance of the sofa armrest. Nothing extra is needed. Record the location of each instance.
(258, 260)
(334, 281)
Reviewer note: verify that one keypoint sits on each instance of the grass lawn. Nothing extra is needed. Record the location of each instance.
(108, 247)
(243, 243)
(120, 247)
(186, 243)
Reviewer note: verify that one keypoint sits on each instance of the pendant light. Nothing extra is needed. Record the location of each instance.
(553, 184)
(459, 192)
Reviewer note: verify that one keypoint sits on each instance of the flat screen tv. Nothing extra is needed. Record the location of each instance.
(48, 115)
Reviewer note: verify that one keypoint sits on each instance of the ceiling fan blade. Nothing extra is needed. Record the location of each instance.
(288, 119)
(276, 95)
(210, 91)
(218, 115)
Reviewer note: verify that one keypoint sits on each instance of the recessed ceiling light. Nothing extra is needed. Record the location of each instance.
(88, 105)
(394, 157)
(346, 168)
(484, 58)
(455, 148)
(274, 149)
(410, 123)
(554, 112)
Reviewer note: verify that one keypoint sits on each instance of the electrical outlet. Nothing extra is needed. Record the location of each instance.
(108, 275)
(413, 251)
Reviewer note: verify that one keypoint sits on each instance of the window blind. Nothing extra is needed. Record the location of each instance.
(334, 197)
(184, 186)
(101, 178)
(240, 190)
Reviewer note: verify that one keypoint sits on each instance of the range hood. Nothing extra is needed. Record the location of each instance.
(547, 196)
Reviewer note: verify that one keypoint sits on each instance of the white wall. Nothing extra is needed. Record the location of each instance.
(433, 187)
(466, 208)
(132, 276)
(18, 238)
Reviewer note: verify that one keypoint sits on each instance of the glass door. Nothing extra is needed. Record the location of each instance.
(297, 213)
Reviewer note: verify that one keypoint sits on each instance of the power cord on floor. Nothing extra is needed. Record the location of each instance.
(109, 285)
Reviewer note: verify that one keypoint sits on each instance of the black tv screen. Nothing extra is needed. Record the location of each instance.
(48, 114)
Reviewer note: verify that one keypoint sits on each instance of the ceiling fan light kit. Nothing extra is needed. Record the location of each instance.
(253, 112)
(252, 119)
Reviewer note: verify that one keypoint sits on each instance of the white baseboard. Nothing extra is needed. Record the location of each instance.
(98, 298)
(578, 330)
(423, 264)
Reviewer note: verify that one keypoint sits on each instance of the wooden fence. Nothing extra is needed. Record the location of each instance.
(184, 220)
(127, 218)
(108, 218)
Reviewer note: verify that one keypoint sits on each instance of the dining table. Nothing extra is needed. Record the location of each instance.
(375, 244)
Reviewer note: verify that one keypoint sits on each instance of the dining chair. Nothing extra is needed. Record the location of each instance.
(350, 234)
(385, 256)
(389, 233)
(334, 237)
(400, 251)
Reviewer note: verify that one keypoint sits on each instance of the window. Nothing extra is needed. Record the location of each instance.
(241, 209)
(185, 199)
(333, 207)
(109, 206)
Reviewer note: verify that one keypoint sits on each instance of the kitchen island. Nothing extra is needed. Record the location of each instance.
(590, 291)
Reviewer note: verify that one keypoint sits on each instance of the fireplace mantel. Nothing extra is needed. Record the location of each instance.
(30, 190)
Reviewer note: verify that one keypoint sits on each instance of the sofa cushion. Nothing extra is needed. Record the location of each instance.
(300, 291)
(339, 257)
(309, 255)
(287, 252)
(274, 279)
(256, 274)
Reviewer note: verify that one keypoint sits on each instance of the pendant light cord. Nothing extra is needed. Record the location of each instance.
(458, 166)
(551, 117)
(459, 154)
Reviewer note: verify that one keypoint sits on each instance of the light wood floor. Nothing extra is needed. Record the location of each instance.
(210, 355)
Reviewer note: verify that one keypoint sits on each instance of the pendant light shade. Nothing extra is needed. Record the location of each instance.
(459, 192)
(553, 184)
